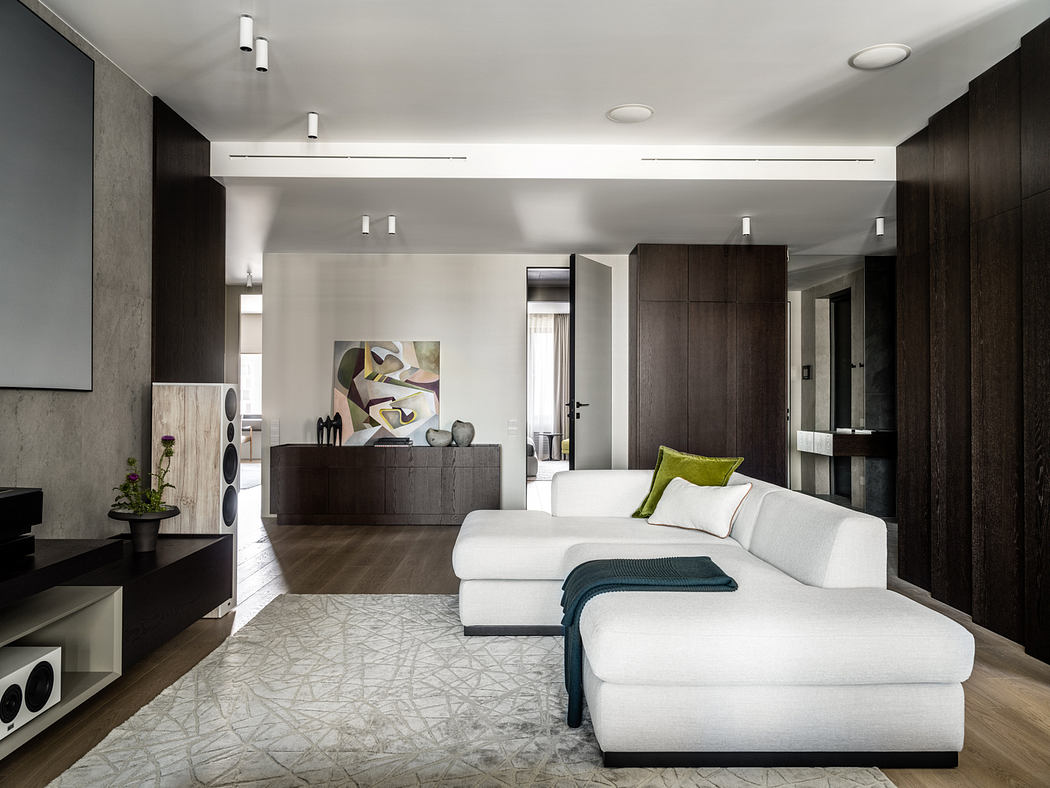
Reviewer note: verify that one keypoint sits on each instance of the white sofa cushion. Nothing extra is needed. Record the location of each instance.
(820, 543)
(768, 632)
(530, 545)
(598, 493)
(699, 508)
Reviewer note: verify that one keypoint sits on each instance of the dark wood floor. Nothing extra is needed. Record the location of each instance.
(1007, 699)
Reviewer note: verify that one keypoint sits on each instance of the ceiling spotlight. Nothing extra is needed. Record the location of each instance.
(880, 226)
(262, 54)
(247, 26)
(879, 56)
(248, 282)
(311, 125)
(391, 224)
(745, 225)
(630, 113)
(364, 224)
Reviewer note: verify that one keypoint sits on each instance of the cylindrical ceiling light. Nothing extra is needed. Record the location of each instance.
(311, 125)
(262, 54)
(248, 281)
(391, 224)
(880, 226)
(247, 27)
(364, 224)
(745, 225)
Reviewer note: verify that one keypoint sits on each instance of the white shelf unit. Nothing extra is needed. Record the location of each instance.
(86, 622)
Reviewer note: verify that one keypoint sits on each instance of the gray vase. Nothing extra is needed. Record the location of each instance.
(439, 437)
(462, 433)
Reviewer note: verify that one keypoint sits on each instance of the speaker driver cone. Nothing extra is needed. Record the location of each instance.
(229, 506)
(229, 463)
(231, 404)
(39, 685)
(11, 703)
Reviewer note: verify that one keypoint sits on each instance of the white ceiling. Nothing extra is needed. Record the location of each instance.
(748, 72)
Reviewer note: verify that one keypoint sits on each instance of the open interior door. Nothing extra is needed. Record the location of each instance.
(590, 364)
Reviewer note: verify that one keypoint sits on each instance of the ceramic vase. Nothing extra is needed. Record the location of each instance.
(462, 433)
(439, 437)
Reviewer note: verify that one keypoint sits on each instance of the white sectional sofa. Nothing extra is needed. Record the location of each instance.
(811, 661)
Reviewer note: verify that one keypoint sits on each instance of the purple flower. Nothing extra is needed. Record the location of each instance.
(167, 440)
(133, 477)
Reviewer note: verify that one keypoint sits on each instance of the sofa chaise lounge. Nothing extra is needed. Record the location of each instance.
(811, 661)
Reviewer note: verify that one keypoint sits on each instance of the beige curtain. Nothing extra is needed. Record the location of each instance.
(561, 374)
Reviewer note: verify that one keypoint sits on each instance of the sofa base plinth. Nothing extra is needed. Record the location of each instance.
(497, 631)
(882, 760)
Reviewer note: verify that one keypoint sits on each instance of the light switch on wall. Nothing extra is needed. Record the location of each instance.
(512, 427)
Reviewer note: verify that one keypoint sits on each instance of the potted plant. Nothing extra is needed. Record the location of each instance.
(143, 505)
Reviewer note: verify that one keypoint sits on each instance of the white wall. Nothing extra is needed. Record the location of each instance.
(473, 304)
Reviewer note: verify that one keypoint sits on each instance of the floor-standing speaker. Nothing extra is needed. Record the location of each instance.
(205, 420)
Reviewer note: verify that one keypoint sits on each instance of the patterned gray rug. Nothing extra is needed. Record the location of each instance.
(379, 691)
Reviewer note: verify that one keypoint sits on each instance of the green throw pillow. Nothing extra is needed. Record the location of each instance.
(705, 471)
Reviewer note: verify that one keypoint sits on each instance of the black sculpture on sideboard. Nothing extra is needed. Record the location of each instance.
(330, 430)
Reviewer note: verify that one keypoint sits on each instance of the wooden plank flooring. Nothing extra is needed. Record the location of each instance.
(1007, 699)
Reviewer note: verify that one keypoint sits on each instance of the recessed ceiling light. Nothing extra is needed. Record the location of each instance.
(630, 113)
(879, 56)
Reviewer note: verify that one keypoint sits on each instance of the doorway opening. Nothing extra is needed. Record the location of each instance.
(547, 447)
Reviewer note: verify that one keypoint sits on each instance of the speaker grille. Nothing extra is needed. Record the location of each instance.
(229, 432)
(229, 506)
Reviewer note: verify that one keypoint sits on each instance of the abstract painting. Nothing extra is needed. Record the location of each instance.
(386, 389)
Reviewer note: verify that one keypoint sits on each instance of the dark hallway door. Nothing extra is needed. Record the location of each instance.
(841, 385)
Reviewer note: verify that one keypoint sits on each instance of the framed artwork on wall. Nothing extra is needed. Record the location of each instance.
(386, 389)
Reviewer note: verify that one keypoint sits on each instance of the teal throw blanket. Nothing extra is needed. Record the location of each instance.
(693, 573)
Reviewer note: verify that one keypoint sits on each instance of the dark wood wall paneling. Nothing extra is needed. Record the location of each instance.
(189, 254)
(995, 325)
(1035, 268)
(708, 354)
(1007, 123)
(913, 359)
(950, 496)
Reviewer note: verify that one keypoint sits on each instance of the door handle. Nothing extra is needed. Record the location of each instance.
(582, 404)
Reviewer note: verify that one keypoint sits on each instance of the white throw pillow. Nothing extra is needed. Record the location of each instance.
(710, 509)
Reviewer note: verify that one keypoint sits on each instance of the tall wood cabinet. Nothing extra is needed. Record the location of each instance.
(708, 354)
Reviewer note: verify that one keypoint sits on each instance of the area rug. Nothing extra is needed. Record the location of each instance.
(376, 690)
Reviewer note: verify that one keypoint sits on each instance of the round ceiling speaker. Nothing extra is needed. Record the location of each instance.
(879, 56)
(630, 113)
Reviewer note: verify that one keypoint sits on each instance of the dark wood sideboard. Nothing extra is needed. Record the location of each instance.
(382, 485)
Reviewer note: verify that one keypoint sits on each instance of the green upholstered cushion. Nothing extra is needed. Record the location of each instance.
(705, 471)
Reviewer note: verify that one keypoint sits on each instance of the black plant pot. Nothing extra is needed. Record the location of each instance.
(144, 526)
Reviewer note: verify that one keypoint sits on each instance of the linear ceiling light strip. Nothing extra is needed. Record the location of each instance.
(763, 160)
(321, 156)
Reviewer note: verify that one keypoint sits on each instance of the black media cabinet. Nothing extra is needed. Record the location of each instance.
(165, 591)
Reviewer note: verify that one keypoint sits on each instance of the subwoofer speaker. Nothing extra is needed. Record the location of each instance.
(205, 420)
(30, 684)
